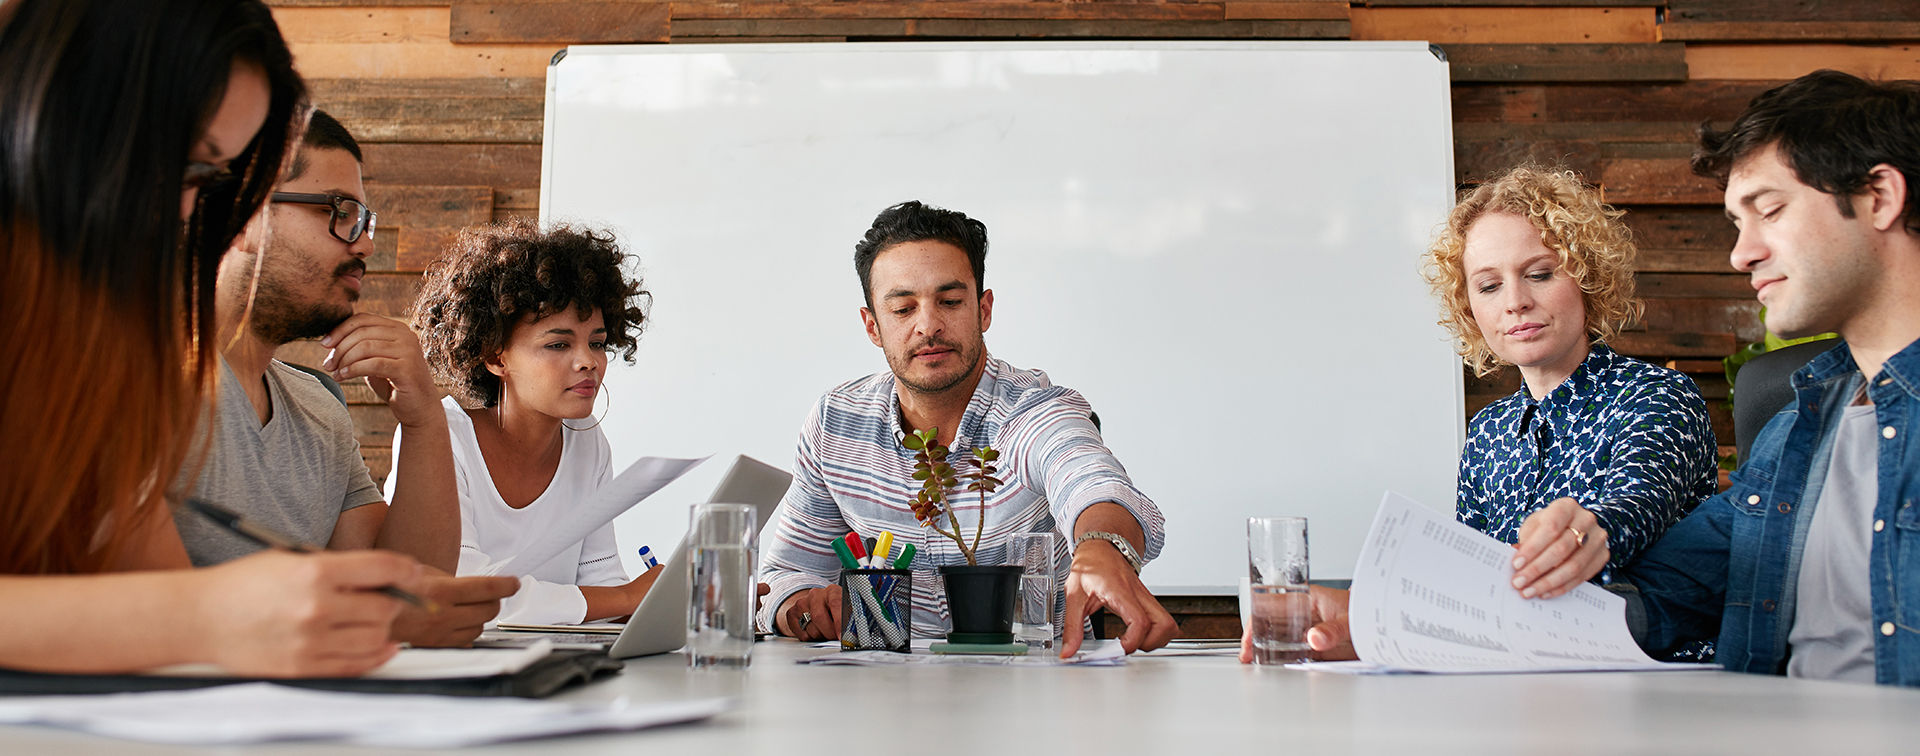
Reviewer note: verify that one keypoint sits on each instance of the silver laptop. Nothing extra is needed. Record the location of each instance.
(659, 624)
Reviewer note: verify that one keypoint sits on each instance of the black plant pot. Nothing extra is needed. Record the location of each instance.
(981, 601)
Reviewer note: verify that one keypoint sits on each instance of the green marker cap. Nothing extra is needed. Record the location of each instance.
(906, 557)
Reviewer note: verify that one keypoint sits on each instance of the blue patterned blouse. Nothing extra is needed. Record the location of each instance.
(1629, 441)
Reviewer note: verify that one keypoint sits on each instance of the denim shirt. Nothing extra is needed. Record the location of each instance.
(1731, 568)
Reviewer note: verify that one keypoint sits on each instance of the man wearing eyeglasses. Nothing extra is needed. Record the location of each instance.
(284, 449)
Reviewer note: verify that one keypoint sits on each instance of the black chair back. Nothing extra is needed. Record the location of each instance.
(1763, 388)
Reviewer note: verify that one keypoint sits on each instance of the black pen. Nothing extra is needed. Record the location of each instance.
(231, 520)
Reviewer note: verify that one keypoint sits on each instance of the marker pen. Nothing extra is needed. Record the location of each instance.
(646, 555)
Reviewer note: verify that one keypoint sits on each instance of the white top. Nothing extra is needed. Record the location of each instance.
(491, 531)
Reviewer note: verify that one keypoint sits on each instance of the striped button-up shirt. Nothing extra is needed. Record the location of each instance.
(852, 475)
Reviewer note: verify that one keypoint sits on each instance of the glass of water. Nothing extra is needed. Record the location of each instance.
(1037, 555)
(1282, 607)
(721, 546)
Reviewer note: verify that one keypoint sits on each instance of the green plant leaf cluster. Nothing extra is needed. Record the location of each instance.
(938, 479)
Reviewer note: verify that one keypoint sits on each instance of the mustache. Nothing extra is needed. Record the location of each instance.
(923, 346)
(355, 265)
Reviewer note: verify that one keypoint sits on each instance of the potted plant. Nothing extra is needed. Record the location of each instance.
(980, 598)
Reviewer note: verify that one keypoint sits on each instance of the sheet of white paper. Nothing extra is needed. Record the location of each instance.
(263, 712)
(416, 664)
(590, 628)
(1433, 595)
(633, 485)
(1093, 653)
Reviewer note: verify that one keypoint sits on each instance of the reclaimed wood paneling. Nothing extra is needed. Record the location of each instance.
(991, 10)
(496, 165)
(584, 22)
(1648, 62)
(955, 28)
(1702, 228)
(1715, 285)
(431, 206)
(1655, 181)
(421, 61)
(388, 294)
(1775, 62)
(1476, 161)
(1508, 25)
(1740, 317)
(361, 25)
(1327, 10)
(1790, 31)
(1685, 102)
(1673, 344)
(421, 247)
(1793, 10)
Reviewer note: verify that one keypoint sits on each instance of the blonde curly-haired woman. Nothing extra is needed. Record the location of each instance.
(1597, 454)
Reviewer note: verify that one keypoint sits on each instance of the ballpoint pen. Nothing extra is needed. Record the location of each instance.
(231, 520)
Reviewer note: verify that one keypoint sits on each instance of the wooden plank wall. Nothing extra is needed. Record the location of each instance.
(447, 98)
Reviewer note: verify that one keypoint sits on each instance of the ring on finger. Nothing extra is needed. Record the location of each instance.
(1579, 536)
(806, 618)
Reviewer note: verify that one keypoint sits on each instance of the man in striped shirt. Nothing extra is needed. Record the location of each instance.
(922, 269)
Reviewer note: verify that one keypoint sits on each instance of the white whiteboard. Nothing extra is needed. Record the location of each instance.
(1217, 243)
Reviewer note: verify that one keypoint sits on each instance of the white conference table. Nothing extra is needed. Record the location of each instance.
(1190, 705)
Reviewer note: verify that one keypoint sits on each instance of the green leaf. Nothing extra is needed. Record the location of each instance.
(913, 442)
(920, 474)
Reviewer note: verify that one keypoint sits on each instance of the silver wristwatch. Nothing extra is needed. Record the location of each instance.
(1126, 549)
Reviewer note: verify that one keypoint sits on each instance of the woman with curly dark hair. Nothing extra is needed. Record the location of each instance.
(520, 321)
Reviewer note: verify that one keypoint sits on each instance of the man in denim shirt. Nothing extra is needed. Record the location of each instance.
(1809, 565)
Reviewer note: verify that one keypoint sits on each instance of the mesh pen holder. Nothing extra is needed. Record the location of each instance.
(876, 610)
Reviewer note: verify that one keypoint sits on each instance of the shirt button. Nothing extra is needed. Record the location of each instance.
(1754, 499)
(1887, 431)
(1886, 628)
(1786, 508)
(1879, 525)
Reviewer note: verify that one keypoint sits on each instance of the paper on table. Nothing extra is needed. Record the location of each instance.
(264, 712)
(1433, 595)
(640, 480)
(416, 664)
(587, 628)
(1093, 653)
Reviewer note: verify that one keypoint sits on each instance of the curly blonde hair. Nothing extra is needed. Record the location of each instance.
(1595, 249)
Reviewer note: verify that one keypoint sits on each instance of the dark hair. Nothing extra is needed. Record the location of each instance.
(325, 133)
(494, 278)
(101, 101)
(1831, 128)
(913, 221)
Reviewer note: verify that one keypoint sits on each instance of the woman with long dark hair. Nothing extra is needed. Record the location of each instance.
(137, 139)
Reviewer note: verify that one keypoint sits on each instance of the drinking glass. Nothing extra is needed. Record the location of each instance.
(721, 548)
(1033, 614)
(1282, 607)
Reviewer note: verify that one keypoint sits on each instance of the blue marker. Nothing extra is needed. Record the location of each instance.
(647, 554)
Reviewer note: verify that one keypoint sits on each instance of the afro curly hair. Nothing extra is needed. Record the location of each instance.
(493, 278)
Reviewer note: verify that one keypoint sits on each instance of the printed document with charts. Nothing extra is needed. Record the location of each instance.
(1433, 595)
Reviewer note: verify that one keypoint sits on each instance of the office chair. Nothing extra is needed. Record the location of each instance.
(1762, 388)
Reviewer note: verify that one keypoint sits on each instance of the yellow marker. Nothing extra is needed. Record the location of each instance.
(882, 548)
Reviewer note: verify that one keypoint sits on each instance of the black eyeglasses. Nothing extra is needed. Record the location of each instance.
(343, 208)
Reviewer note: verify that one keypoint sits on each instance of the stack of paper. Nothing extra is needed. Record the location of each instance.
(417, 664)
(263, 712)
(1433, 595)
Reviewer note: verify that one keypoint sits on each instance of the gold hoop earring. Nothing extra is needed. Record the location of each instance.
(603, 413)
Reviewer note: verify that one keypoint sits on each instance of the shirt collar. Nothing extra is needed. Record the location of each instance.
(973, 421)
(1600, 359)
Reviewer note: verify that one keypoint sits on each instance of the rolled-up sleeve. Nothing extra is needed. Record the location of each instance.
(1057, 445)
(797, 555)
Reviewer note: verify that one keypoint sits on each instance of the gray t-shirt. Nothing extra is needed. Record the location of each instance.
(1832, 634)
(295, 475)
